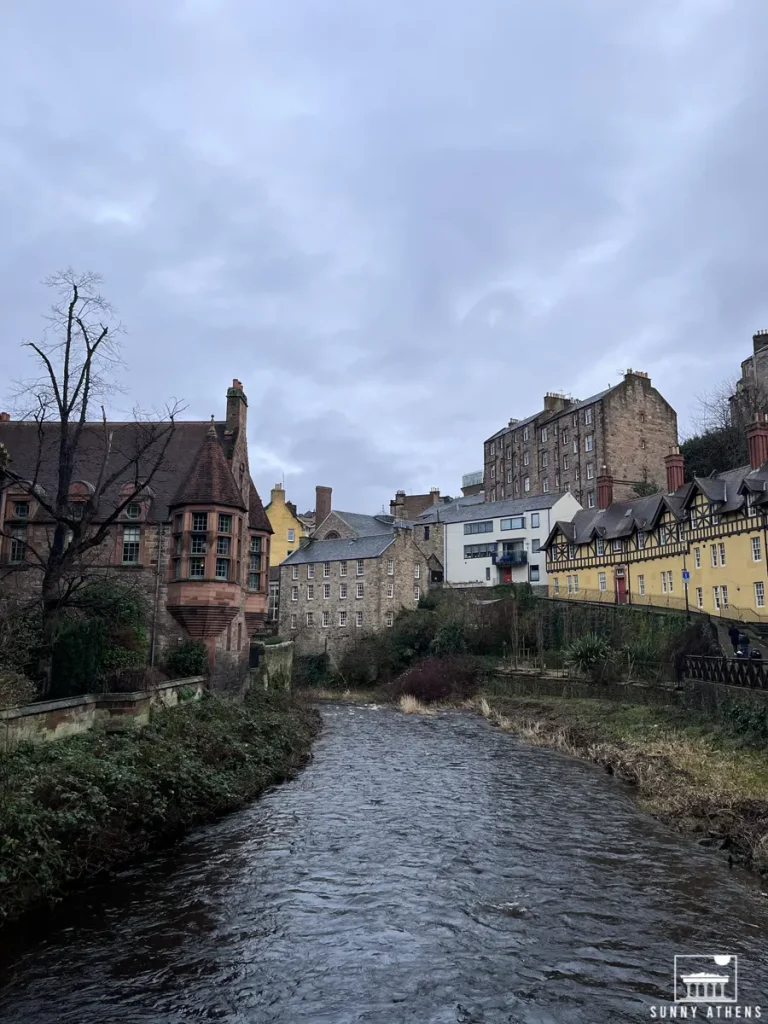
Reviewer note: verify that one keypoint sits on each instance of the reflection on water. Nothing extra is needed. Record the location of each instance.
(425, 870)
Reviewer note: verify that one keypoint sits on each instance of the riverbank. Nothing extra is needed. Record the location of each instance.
(695, 774)
(75, 809)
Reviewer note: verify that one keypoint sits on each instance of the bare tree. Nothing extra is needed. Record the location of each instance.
(77, 359)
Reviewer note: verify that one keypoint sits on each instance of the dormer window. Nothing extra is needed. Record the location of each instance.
(21, 510)
(133, 510)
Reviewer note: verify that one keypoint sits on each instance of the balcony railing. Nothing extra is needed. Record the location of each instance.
(511, 558)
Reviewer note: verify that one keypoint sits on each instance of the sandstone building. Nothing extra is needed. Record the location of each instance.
(195, 540)
(287, 527)
(624, 431)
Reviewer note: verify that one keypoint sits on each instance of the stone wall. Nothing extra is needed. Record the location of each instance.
(275, 666)
(71, 716)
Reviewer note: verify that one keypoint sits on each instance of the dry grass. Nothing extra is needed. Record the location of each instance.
(688, 771)
(411, 706)
(347, 696)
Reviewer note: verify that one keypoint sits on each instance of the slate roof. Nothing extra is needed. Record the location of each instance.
(340, 550)
(209, 478)
(464, 510)
(578, 404)
(257, 517)
(367, 526)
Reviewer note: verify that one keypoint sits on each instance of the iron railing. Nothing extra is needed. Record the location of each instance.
(731, 671)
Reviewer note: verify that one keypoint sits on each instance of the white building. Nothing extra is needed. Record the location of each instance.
(490, 542)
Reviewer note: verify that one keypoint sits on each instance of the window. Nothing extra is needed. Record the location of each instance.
(294, 572)
(342, 591)
(131, 539)
(575, 584)
(716, 597)
(225, 523)
(760, 594)
(310, 572)
(416, 592)
(132, 510)
(479, 550)
(527, 484)
(488, 572)
(699, 597)
(197, 568)
(544, 460)
(199, 522)
(588, 416)
(359, 592)
(326, 591)
(534, 520)
(254, 580)
(617, 545)
(533, 573)
(589, 443)
(599, 546)
(326, 569)
(18, 546)
(670, 586)
(294, 593)
(310, 618)
(724, 596)
(565, 463)
(177, 523)
(486, 526)
(721, 547)
(417, 571)
(198, 544)
(641, 540)
(601, 581)
(713, 554)
(292, 536)
(555, 587)
(571, 550)
(565, 437)
(641, 585)
(663, 583)
(21, 510)
(535, 545)
(662, 536)
(544, 434)
(310, 592)
(590, 499)
(575, 446)
(390, 590)
(390, 567)
(294, 621)
(326, 619)
(359, 620)
(255, 546)
(570, 584)
(222, 568)
(342, 618)
(426, 528)
(223, 545)
(493, 472)
(756, 549)
(526, 459)
(390, 619)
(342, 568)
(526, 433)
(697, 557)
(360, 566)
(493, 447)
(509, 481)
(545, 484)
(750, 502)
(515, 523)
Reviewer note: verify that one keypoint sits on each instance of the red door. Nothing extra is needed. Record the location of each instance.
(621, 587)
(506, 574)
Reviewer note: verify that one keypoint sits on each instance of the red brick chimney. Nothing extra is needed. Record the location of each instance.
(237, 409)
(604, 490)
(757, 439)
(4, 417)
(322, 504)
(675, 464)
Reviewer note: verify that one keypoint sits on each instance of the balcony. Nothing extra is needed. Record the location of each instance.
(511, 558)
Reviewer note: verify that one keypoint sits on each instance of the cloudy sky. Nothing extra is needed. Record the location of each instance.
(398, 222)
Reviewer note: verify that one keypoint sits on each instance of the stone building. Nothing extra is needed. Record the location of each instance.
(287, 527)
(409, 506)
(352, 577)
(751, 395)
(195, 539)
(624, 431)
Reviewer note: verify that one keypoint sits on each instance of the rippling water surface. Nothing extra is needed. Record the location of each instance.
(425, 870)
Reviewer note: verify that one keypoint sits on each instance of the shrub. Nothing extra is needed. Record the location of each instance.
(311, 670)
(434, 679)
(450, 640)
(590, 654)
(187, 658)
(15, 689)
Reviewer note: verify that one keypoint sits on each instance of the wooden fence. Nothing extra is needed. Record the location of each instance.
(731, 671)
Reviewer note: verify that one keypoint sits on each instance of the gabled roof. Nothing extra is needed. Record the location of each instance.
(209, 478)
(464, 510)
(257, 517)
(341, 549)
(367, 526)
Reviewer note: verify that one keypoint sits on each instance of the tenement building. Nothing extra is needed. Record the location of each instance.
(182, 520)
(699, 545)
(751, 393)
(352, 577)
(624, 431)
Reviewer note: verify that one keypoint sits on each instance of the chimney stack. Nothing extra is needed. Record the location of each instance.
(4, 417)
(757, 439)
(604, 490)
(277, 496)
(435, 494)
(237, 409)
(675, 464)
(322, 504)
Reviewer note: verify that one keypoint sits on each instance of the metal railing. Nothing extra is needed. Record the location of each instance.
(731, 671)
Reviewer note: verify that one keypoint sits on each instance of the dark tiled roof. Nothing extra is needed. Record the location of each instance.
(340, 550)
(367, 526)
(465, 510)
(257, 517)
(209, 478)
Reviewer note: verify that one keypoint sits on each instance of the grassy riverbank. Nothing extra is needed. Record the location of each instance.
(699, 776)
(76, 808)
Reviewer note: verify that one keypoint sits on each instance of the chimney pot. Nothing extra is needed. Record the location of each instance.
(322, 504)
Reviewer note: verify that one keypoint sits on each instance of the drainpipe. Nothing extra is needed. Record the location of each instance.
(158, 570)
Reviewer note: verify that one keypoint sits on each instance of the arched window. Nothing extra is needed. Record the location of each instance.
(331, 536)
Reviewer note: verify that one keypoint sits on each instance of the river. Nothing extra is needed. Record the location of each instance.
(428, 870)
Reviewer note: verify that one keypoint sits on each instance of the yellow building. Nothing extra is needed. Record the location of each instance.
(287, 526)
(701, 545)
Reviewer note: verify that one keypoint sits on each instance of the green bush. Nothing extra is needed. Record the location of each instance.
(311, 670)
(187, 658)
(449, 640)
(747, 718)
(590, 654)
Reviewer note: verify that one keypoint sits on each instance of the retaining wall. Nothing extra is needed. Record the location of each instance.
(275, 666)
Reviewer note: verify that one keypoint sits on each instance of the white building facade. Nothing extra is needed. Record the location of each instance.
(488, 543)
